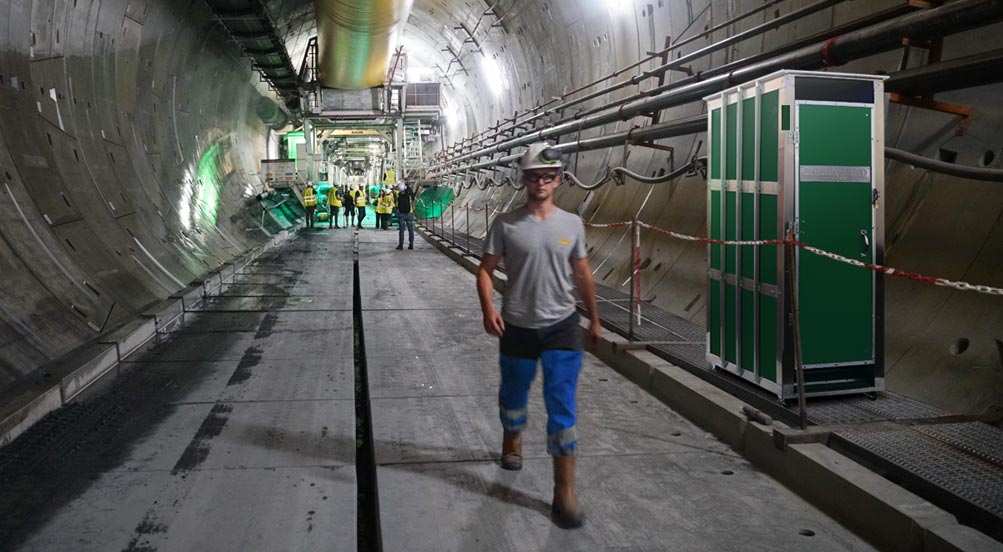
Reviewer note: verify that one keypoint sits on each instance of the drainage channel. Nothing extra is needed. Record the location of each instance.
(370, 538)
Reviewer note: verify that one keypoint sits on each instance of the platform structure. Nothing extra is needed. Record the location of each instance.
(239, 433)
(954, 461)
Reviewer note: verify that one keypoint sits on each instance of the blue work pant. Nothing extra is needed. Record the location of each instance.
(405, 219)
(521, 350)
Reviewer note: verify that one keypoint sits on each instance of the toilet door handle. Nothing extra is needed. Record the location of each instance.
(867, 243)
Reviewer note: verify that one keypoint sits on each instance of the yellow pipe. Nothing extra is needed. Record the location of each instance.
(355, 39)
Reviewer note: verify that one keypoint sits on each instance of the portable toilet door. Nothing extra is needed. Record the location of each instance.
(838, 186)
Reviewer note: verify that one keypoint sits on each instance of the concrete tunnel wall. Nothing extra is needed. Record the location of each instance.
(129, 146)
(143, 91)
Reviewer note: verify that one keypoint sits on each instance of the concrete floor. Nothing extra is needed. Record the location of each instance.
(648, 479)
(247, 438)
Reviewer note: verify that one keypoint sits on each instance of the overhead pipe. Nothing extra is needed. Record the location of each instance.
(952, 74)
(355, 39)
(850, 26)
(705, 51)
(637, 79)
(943, 167)
(949, 19)
(681, 127)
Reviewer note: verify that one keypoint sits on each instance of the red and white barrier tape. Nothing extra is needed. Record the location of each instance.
(608, 225)
(942, 282)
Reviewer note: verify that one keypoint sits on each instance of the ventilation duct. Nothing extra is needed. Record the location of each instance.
(355, 39)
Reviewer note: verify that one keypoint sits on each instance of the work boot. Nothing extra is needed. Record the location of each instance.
(410, 245)
(565, 511)
(399, 247)
(511, 457)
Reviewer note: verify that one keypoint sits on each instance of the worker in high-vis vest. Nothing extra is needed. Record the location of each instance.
(360, 206)
(309, 203)
(384, 207)
(334, 205)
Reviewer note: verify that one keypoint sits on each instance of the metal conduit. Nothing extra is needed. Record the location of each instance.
(963, 171)
(974, 70)
(680, 127)
(953, 74)
(727, 68)
(707, 50)
(650, 56)
(949, 19)
(857, 24)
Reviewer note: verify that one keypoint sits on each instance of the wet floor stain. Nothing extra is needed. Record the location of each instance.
(140, 541)
(250, 359)
(266, 326)
(198, 449)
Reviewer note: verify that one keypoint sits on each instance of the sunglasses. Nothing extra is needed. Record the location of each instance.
(545, 178)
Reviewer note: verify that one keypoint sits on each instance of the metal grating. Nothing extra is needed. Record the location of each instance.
(856, 409)
(961, 474)
(977, 438)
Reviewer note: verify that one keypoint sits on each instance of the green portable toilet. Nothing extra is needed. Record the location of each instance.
(805, 151)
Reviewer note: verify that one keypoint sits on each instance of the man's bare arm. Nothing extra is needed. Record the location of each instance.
(493, 323)
(587, 290)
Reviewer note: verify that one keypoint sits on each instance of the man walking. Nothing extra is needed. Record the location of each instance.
(543, 247)
(405, 215)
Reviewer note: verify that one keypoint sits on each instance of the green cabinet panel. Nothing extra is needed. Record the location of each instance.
(730, 226)
(749, 139)
(748, 336)
(834, 135)
(769, 136)
(730, 313)
(731, 141)
(715, 229)
(768, 338)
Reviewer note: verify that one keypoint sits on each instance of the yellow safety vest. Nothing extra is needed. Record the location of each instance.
(309, 198)
(360, 198)
(385, 205)
(332, 198)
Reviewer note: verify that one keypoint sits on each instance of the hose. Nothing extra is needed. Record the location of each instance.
(617, 174)
(964, 171)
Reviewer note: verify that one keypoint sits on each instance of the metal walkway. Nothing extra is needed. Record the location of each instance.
(953, 461)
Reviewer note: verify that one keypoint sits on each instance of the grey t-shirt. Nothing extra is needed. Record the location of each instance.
(537, 255)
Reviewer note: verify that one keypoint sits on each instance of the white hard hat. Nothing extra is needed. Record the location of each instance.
(540, 155)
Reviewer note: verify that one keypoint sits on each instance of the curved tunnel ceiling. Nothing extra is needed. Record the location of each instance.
(129, 146)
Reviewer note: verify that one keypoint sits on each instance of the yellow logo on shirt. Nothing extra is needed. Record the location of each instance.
(565, 241)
